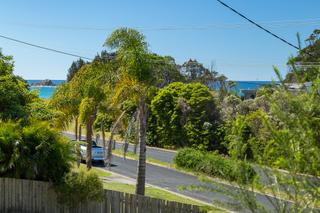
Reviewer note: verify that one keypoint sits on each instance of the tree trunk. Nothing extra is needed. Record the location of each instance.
(103, 139)
(76, 127)
(113, 128)
(128, 133)
(141, 176)
(80, 128)
(136, 138)
(89, 142)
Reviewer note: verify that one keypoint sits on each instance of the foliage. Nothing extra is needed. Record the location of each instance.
(136, 76)
(305, 66)
(166, 70)
(106, 117)
(40, 110)
(105, 57)
(74, 68)
(289, 122)
(247, 136)
(33, 152)
(196, 72)
(294, 131)
(51, 152)
(9, 153)
(213, 164)
(183, 115)
(266, 90)
(80, 187)
(14, 92)
(66, 103)
(85, 94)
(132, 54)
(280, 130)
(86, 109)
(229, 107)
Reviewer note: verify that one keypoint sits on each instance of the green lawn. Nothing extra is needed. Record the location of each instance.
(149, 159)
(100, 172)
(157, 193)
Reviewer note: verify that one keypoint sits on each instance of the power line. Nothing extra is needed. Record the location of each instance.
(273, 24)
(258, 25)
(45, 48)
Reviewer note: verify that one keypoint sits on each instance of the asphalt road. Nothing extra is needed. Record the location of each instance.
(172, 180)
(159, 154)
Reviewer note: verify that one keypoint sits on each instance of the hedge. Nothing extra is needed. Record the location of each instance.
(215, 165)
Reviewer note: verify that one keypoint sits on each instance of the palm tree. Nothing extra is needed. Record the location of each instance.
(88, 110)
(135, 79)
(67, 103)
(91, 84)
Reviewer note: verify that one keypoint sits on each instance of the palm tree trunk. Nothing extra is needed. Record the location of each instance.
(141, 176)
(136, 139)
(103, 139)
(80, 128)
(76, 127)
(128, 133)
(89, 142)
(113, 128)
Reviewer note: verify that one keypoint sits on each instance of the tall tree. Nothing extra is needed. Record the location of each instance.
(14, 93)
(74, 68)
(136, 77)
(196, 72)
(92, 83)
(166, 70)
(88, 111)
(84, 95)
(67, 102)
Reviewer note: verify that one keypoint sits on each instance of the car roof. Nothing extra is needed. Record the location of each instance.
(93, 143)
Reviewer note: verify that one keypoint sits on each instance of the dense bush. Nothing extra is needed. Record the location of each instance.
(215, 165)
(9, 135)
(80, 187)
(283, 135)
(247, 136)
(14, 93)
(33, 152)
(184, 115)
(39, 110)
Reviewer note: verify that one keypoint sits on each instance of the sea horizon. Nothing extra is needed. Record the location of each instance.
(46, 92)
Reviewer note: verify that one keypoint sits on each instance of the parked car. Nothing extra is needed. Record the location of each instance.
(97, 151)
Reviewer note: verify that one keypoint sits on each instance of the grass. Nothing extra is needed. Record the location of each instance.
(158, 193)
(100, 172)
(149, 159)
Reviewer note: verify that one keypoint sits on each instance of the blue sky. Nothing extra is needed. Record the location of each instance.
(236, 48)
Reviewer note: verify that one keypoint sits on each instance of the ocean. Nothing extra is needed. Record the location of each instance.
(47, 91)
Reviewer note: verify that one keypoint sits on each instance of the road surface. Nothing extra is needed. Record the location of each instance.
(172, 180)
(156, 153)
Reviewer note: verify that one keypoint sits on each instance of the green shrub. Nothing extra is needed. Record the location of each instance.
(35, 152)
(215, 165)
(14, 93)
(80, 187)
(188, 158)
(184, 115)
(46, 151)
(9, 135)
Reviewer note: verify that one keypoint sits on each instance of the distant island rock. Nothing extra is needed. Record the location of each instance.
(45, 82)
